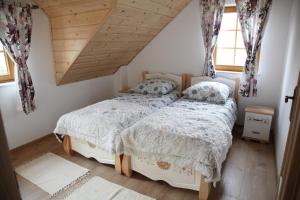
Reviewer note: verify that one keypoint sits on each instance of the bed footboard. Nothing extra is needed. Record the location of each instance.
(88, 150)
(177, 177)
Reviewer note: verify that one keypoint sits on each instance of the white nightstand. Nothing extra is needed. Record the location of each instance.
(258, 121)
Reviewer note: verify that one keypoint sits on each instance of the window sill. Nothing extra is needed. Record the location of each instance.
(224, 71)
(10, 83)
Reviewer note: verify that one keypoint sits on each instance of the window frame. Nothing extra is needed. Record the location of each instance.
(10, 68)
(232, 68)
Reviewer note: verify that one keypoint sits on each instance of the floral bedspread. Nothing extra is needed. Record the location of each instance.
(102, 123)
(186, 133)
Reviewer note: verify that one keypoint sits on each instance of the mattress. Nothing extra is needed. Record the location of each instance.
(102, 123)
(187, 133)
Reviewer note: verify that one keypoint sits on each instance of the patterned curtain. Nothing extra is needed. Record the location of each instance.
(212, 13)
(253, 15)
(15, 36)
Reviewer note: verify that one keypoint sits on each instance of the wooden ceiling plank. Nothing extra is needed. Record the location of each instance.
(54, 3)
(129, 12)
(82, 19)
(78, 32)
(80, 71)
(67, 56)
(119, 61)
(68, 45)
(116, 37)
(90, 75)
(155, 22)
(150, 6)
(77, 7)
(110, 29)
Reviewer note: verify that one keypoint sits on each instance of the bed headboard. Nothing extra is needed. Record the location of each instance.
(234, 84)
(179, 79)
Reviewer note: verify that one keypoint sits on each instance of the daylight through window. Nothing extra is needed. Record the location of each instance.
(230, 53)
(6, 67)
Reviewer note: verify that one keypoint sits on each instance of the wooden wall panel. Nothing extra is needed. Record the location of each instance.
(94, 38)
(73, 24)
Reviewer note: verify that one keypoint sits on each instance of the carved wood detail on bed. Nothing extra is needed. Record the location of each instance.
(163, 165)
(67, 146)
(128, 164)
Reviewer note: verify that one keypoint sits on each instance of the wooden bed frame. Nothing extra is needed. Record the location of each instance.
(89, 150)
(165, 171)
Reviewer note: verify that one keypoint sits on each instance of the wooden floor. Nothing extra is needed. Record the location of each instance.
(248, 174)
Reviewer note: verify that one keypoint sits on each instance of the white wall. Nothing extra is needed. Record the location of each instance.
(291, 72)
(179, 49)
(52, 101)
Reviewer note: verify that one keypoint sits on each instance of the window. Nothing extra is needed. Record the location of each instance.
(6, 67)
(230, 53)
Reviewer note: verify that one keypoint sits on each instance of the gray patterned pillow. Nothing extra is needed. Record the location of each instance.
(208, 91)
(154, 86)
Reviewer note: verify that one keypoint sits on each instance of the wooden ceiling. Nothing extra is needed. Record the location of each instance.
(93, 38)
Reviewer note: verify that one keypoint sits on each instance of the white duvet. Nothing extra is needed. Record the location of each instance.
(187, 134)
(102, 123)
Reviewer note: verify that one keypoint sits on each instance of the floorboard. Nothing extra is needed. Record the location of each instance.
(249, 173)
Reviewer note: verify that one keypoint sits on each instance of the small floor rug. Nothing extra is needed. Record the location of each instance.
(98, 188)
(52, 173)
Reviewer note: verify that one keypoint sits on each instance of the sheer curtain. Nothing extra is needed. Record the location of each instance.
(15, 36)
(212, 13)
(253, 16)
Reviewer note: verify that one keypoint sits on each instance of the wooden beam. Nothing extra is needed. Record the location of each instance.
(126, 166)
(204, 189)
(67, 145)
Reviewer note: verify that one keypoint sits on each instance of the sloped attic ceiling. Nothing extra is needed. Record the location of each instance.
(93, 38)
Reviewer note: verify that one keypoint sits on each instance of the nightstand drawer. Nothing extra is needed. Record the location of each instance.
(257, 126)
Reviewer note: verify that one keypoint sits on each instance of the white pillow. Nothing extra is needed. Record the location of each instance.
(156, 86)
(208, 91)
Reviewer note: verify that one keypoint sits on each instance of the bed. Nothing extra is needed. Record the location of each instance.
(201, 133)
(94, 131)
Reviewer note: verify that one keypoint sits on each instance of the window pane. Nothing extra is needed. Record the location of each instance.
(240, 57)
(229, 21)
(3, 68)
(239, 40)
(225, 57)
(226, 39)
